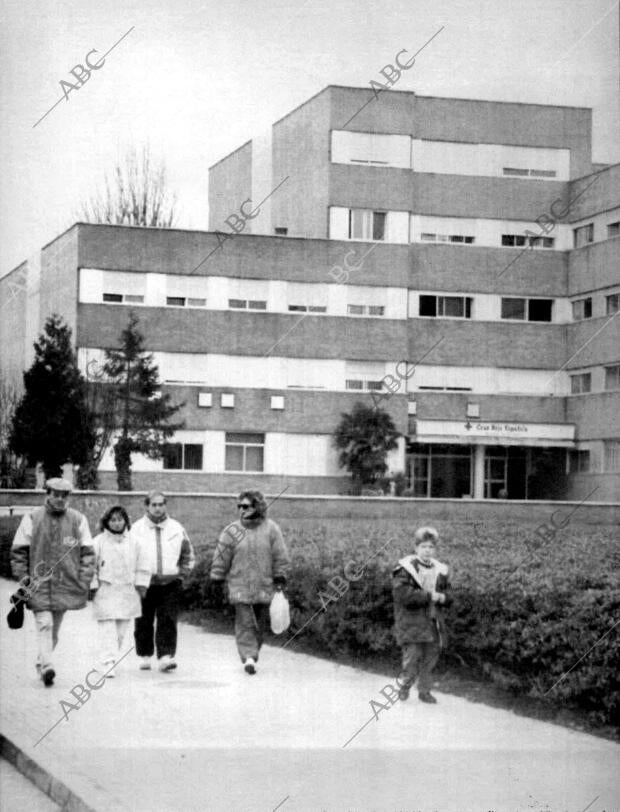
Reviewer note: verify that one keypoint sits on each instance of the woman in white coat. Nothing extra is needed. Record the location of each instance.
(119, 583)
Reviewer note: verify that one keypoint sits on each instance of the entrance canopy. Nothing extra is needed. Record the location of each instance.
(483, 432)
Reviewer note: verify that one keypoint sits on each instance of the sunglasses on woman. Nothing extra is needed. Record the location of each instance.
(243, 506)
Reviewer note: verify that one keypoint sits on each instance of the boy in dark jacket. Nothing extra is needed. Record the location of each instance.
(420, 586)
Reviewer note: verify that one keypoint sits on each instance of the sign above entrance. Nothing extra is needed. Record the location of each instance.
(491, 432)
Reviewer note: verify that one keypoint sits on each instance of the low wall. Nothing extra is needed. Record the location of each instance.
(205, 514)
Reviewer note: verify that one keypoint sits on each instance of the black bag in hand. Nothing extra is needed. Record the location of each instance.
(15, 617)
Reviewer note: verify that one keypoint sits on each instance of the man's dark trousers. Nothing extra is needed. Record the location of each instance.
(160, 603)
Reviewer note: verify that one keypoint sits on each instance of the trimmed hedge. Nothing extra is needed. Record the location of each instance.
(535, 618)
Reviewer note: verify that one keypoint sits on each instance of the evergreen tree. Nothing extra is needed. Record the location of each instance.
(142, 412)
(52, 423)
(364, 438)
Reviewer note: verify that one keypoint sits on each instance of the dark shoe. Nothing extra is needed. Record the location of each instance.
(427, 697)
(250, 666)
(48, 677)
(403, 693)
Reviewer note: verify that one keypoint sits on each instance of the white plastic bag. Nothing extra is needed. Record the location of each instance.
(279, 613)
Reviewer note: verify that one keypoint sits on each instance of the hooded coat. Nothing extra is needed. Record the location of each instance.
(250, 554)
(416, 618)
(55, 550)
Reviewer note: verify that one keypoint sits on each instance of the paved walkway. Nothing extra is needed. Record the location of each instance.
(208, 737)
(18, 794)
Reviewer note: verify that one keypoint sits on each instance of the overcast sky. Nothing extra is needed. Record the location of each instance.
(197, 79)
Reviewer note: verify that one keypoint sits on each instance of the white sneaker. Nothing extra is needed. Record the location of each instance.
(167, 663)
(250, 665)
(145, 663)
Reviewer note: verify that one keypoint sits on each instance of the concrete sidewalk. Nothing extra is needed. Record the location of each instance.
(208, 737)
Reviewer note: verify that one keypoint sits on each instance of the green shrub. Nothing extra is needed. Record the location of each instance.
(525, 620)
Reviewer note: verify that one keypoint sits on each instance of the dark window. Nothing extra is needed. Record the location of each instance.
(173, 456)
(378, 225)
(280, 231)
(613, 229)
(318, 308)
(192, 453)
(583, 235)
(183, 456)
(513, 308)
(578, 461)
(509, 170)
(112, 297)
(350, 384)
(513, 240)
(297, 308)
(613, 303)
(428, 305)
(253, 305)
(581, 383)
(376, 310)
(612, 377)
(540, 309)
(175, 301)
(239, 303)
(582, 309)
(355, 310)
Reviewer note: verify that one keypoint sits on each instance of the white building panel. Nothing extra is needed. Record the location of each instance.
(373, 149)
(90, 285)
(488, 232)
(397, 227)
(187, 286)
(489, 380)
(338, 223)
(300, 455)
(156, 290)
(459, 158)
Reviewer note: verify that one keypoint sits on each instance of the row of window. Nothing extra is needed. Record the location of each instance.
(460, 307)
(244, 304)
(582, 308)
(369, 225)
(430, 305)
(581, 382)
(584, 235)
(579, 461)
(243, 452)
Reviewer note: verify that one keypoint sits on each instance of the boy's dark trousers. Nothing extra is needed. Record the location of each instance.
(251, 622)
(419, 659)
(161, 602)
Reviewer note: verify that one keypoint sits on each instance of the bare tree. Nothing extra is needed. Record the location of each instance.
(136, 194)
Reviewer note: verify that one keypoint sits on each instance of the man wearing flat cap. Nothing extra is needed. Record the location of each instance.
(53, 548)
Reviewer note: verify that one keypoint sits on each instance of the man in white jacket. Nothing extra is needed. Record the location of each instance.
(168, 551)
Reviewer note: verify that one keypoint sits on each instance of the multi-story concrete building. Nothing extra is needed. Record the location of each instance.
(455, 262)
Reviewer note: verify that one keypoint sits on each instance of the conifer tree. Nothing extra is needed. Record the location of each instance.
(142, 412)
(52, 423)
